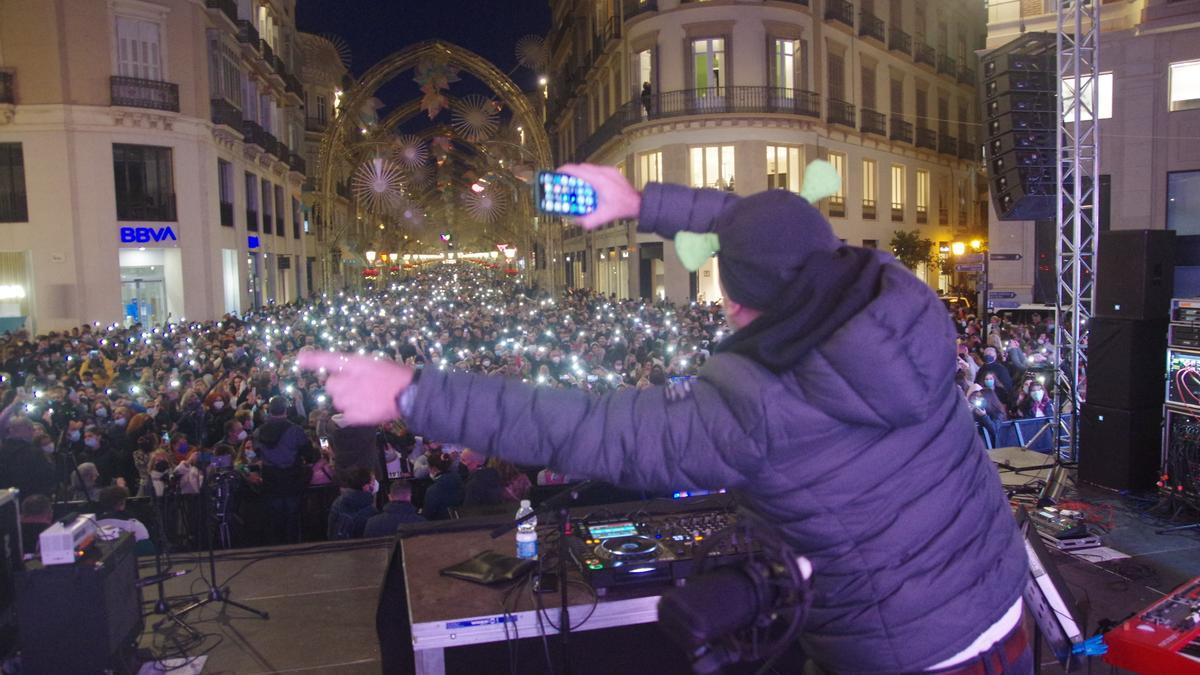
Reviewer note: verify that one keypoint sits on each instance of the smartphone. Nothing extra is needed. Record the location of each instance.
(559, 194)
(324, 443)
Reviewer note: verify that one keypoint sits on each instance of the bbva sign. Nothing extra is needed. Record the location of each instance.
(145, 235)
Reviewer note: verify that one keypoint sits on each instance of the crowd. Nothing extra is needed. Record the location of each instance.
(1005, 367)
(214, 422)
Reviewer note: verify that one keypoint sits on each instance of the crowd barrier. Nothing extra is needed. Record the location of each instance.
(1023, 433)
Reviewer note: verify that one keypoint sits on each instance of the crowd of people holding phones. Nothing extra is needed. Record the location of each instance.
(167, 412)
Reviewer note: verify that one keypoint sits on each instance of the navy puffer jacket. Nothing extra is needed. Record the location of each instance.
(863, 453)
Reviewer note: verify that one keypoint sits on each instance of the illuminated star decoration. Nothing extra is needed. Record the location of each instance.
(418, 177)
(485, 203)
(342, 48)
(410, 151)
(434, 76)
(531, 52)
(377, 184)
(474, 117)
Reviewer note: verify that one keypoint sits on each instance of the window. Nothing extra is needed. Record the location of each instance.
(922, 196)
(225, 191)
(897, 97)
(145, 183)
(1104, 102)
(837, 201)
(783, 167)
(251, 202)
(13, 208)
(297, 217)
(322, 109)
(868, 87)
(249, 98)
(279, 229)
(787, 65)
(870, 243)
(870, 189)
(837, 77)
(268, 206)
(712, 167)
(643, 66)
(649, 168)
(898, 193)
(1183, 202)
(708, 63)
(138, 51)
(224, 76)
(1184, 85)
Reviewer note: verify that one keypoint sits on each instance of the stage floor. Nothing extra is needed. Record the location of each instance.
(322, 599)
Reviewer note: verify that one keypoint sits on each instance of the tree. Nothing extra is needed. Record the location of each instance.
(910, 249)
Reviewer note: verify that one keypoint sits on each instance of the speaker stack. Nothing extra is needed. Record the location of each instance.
(1121, 422)
(1019, 104)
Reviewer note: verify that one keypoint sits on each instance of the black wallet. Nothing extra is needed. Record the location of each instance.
(490, 567)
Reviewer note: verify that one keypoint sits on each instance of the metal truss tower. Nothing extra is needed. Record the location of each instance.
(1078, 207)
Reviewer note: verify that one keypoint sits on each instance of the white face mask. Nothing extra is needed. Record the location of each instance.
(48, 448)
(217, 405)
(241, 435)
(73, 435)
(373, 488)
(1037, 396)
(251, 455)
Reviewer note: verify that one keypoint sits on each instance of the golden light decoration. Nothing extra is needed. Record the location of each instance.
(417, 178)
(341, 46)
(475, 117)
(410, 151)
(485, 203)
(377, 184)
(531, 52)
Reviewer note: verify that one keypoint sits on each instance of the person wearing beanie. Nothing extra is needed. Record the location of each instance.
(286, 455)
(831, 411)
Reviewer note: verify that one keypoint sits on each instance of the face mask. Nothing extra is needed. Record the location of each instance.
(48, 448)
(988, 358)
(183, 448)
(248, 426)
(92, 443)
(373, 488)
(241, 435)
(153, 412)
(251, 455)
(73, 436)
(1037, 396)
(217, 405)
(101, 412)
(161, 466)
(990, 384)
(118, 420)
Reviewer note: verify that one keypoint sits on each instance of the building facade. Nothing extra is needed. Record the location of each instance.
(1149, 117)
(149, 166)
(741, 95)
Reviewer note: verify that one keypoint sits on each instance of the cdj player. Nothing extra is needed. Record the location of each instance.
(660, 548)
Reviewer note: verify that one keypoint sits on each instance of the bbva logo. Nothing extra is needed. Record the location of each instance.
(145, 235)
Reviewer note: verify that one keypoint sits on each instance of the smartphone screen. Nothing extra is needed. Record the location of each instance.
(324, 443)
(562, 195)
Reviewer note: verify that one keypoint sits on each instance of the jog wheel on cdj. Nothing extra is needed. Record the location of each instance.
(634, 547)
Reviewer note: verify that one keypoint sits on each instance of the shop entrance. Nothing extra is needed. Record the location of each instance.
(144, 295)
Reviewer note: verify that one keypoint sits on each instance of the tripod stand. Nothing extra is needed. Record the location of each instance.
(216, 592)
(161, 606)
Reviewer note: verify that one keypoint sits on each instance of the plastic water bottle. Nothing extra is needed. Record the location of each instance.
(527, 546)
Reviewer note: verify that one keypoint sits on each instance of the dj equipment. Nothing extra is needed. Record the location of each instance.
(651, 548)
(1120, 447)
(1185, 311)
(64, 541)
(1124, 359)
(1163, 638)
(1181, 456)
(1135, 274)
(1055, 524)
(1060, 619)
(80, 618)
(1180, 466)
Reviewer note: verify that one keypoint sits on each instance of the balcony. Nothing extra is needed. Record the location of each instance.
(226, 7)
(966, 75)
(871, 26)
(922, 215)
(293, 86)
(925, 55)
(947, 66)
(226, 114)
(943, 215)
(868, 209)
(296, 163)
(247, 34)
(968, 150)
(607, 131)
(899, 41)
(226, 214)
(135, 92)
(315, 124)
(254, 134)
(725, 100)
(8, 92)
(841, 112)
(636, 7)
(947, 145)
(271, 144)
(873, 122)
(926, 138)
(901, 130)
(897, 213)
(837, 206)
(840, 11)
(342, 190)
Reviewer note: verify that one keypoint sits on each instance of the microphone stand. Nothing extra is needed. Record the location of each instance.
(559, 504)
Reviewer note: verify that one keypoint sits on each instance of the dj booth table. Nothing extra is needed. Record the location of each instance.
(423, 613)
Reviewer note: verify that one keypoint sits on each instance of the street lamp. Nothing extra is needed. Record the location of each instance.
(958, 248)
(976, 244)
(370, 257)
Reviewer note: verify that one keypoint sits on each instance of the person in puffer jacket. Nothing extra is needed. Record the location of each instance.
(831, 411)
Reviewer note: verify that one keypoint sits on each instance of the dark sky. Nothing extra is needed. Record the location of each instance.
(376, 28)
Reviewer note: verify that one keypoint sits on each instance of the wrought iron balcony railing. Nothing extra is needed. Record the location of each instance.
(966, 75)
(947, 145)
(226, 114)
(636, 7)
(926, 138)
(947, 66)
(842, 112)
(871, 26)
(135, 92)
(873, 122)
(297, 163)
(968, 150)
(248, 34)
(841, 11)
(899, 41)
(925, 54)
(226, 7)
(902, 130)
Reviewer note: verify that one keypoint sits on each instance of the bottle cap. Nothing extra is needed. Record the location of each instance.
(525, 503)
